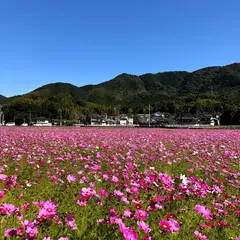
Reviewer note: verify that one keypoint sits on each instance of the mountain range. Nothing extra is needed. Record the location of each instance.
(208, 89)
(2, 97)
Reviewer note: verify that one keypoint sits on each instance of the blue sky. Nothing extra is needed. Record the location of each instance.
(90, 41)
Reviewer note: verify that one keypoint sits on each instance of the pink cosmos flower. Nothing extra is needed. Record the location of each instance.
(43, 214)
(127, 213)
(124, 199)
(31, 231)
(9, 208)
(118, 193)
(114, 179)
(113, 212)
(115, 220)
(200, 236)
(19, 215)
(102, 193)
(25, 206)
(19, 231)
(3, 177)
(50, 206)
(81, 202)
(159, 199)
(10, 232)
(12, 180)
(204, 211)
(141, 214)
(143, 226)
(100, 220)
(70, 221)
(71, 178)
(165, 225)
(1, 194)
(173, 225)
(130, 234)
(105, 176)
(87, 192)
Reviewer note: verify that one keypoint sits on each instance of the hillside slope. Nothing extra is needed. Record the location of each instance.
(211, 89)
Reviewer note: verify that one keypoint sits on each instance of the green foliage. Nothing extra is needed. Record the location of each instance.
(212, 89)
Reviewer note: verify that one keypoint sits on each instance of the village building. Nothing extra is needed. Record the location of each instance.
(42, 122)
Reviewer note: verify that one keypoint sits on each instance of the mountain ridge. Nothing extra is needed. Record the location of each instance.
(234, 65)
(2, 97)
(211, 89)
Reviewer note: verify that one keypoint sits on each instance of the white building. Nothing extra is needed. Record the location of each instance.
(126, 121)
(42, 123)
(10, 124)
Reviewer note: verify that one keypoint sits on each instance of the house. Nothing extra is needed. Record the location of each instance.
(10, 124)
(126, 121)
(207, 118)
(187, 119)
(42, 122)
(94, 120)
(158, 118)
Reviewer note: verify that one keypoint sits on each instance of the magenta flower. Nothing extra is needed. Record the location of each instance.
(114, 179)
(124, 199)
(173, 225)
(116, 220)
(86, 193)
(118, 193)
(143, 226)
(71, 178)
(102, 193)
(127, 213)
(25, 206)
(44, 214)
(10, 232)
(204, 211)
(165, 225)
(105, 176)
(130, 234)
(9, 208)
(31, 231)
(81, 202)
(200, 236)
(141, 214)
(3, 177)
(1, 194)
(50, 207)
(70, 221)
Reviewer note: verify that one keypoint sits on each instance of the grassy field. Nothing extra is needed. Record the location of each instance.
(100, 183)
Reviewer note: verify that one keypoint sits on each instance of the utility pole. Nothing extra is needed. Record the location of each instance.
(30, 119)
(149, 122)
(1, 113)
(60, 116)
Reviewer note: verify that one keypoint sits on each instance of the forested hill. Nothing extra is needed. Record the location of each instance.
(211, 89)
(2, 97)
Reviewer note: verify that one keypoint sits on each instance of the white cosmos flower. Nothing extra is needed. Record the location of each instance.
(184, 179)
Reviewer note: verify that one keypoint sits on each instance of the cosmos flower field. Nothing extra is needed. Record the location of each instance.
(101, 183)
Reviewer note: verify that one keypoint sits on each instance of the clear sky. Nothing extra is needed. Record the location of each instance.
(91, 41)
